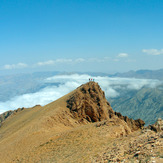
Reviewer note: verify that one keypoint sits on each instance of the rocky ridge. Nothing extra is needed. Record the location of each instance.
(88, 104)
(7, 114)
(157, 126)
(79, 127)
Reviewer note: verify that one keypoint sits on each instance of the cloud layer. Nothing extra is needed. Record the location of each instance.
(153, 51)
(61, 61)
(122, 55)
(15, 66)
(57, 86)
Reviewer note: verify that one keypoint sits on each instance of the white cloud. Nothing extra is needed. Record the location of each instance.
(50, 62)
(153, 51)
(122, 55)
(55, 62)
(60, 61)
(80, 60)
(63, 84)
(116, 60)
(63, 60)
(130, 60)
(68, 61)
(98, 60)
(15, 66)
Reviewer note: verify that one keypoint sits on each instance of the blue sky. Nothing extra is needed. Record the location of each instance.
(80, 35)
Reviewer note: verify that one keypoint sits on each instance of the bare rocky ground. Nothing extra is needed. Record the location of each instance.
(141, 146)
(93, 144)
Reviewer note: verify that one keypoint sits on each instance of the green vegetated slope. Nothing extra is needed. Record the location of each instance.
(146, 103)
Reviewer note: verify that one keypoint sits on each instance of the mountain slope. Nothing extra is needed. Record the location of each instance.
(146, 103)
(82, 118)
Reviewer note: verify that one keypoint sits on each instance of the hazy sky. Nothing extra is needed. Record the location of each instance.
(80, 35)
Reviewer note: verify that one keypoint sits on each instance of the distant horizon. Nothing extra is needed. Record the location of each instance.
(73, 72)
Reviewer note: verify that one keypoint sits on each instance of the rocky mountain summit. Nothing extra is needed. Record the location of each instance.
(88, 104)
(79, 127)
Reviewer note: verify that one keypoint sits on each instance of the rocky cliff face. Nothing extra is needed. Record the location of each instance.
(88, 104)
(133, 124)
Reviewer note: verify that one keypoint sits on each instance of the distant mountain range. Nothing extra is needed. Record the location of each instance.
(146, 103)
(142, 74)
(15, 85)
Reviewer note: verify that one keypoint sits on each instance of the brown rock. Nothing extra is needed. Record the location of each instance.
(89, 103)
(158, 126)
(133, 124)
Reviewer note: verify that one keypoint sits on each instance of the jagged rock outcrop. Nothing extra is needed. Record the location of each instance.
(88, 104)
(157, 126)
(5, 115)
(9, 113)
(133, 124)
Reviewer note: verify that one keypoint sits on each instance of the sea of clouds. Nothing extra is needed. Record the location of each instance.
(59, 85)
